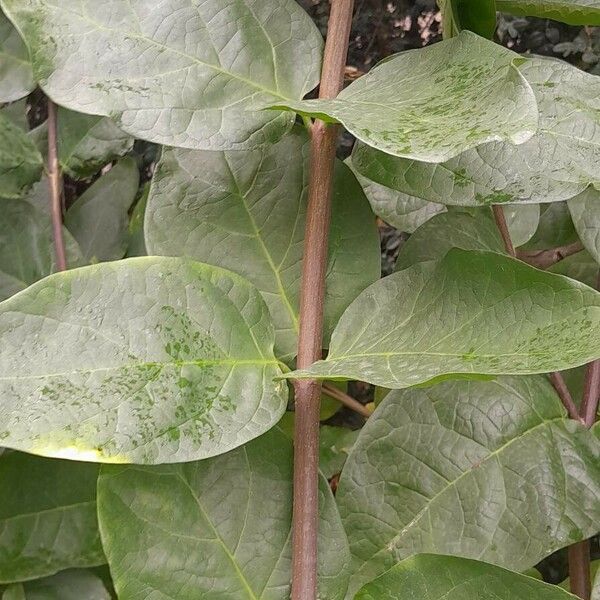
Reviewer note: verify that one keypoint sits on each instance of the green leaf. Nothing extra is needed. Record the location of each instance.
(559, 162)
(433, 103)
(147, 360)
(490, 470)
(47, 517)
(478, 16)
(523, 221)
(431, 577)
(580, 266)
(404, 212)
(191, 74)
(555, 227)
(14, 592)
(26, 247)
(16, 76)
(99, 218)
(74, 584)
(214, 529)
(469, 313)
(20, 162)
(596, 586)
(16, 112)
(137, 244)
(585, 212)
(85, 142)
(335, 444)
(474, 230)
(245, 211)
(574, 12)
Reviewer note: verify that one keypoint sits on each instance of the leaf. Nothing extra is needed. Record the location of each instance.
(434, 113)
(16, 112)
(14, 592)
(26, 247)
(469, 313)
(99, 218)
(457, 229)
(148, 360)
(47, 517)
(580, 266)
(16, 76)
(186, 73)
(399, 210)
(585, 211)
(574, 12)
(491, 470)
(245, 211)
(214, 529)
(85, 142)
(555, 227)
(74, 584)
(335, 444)
(596, 587)
(478, 16)
(137, 244)
(20, 162)
(431, 577)
(522, 221)
(559, 162)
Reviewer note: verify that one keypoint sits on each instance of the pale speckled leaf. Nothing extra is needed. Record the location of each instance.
(185, 73)
(435, 577)
(85, 142)
(47, 517)
(26, 247)
(585, 212)
(404, 212)
(469, 230)
(434, 103)
(245, 211)
(574, 12)
(16, 75)
(99, 218)
(147, 360)
(72, 584)
(20, 162)
(470, 313)
(559, 162)
(216, 529)
(456, 469)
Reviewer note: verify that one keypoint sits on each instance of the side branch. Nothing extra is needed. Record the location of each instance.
(56, 188)
(544, 259)
(346, 400)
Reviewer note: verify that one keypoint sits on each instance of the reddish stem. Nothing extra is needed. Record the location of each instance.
(56, 188)
(312, 295)
(579, 569)
(503, 229)
(346, 400)
(544, 259)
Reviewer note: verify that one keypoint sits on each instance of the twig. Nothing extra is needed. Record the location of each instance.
(544, 259)
(503, 229)
(346, 400)
(312, 294)
(564, 394)
(56, 188)
(579, 569)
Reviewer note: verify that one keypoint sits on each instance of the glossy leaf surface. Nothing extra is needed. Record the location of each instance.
(574, 12)
(455, 469)
(185, 73)
(215, 529)
(246, 211)
(16, 76)
(478, 16)
(47, 517)
(433, 103)
(469, 313)
(148, 360)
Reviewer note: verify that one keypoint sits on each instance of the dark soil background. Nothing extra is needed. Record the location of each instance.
(382, 28)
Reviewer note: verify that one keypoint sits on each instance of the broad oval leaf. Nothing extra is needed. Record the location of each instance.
(185, 73)
(492, 470)
(73, 584)
(26, 247)
(580, 266)
(20, 162)
(574, 12)
(147, 360)
(585, 211)
(469, 313)
(557, 163)
(246, 211)
(434, 103)
(434, 577)
(99, 218)
(47, 517)
(16, 75)
(214, 529)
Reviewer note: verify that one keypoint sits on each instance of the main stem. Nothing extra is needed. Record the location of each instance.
(578, 554)
(56, 188)
(312, 296)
